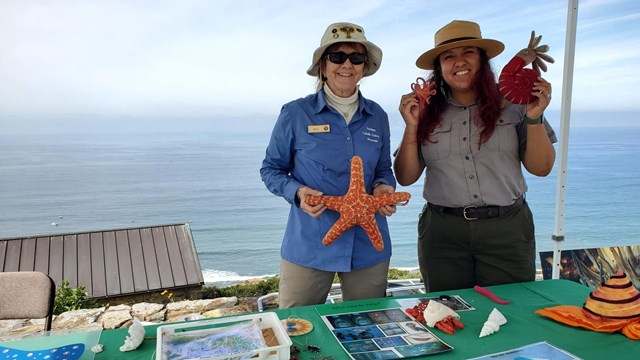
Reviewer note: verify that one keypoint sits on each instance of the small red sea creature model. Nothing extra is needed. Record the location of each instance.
(449, 325)
(515, 80)
(490, 295)
(424, 91)
(418, 311)
(357, 207)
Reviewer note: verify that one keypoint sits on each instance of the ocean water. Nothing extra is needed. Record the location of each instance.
(85, 182)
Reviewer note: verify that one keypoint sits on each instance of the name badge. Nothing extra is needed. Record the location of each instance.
(318, 129)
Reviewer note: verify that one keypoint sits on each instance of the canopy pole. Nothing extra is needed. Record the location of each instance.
(565, 112)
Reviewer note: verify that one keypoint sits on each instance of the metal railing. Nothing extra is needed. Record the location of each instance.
(394, 288)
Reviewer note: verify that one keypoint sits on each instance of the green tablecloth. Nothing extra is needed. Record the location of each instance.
(523, 327)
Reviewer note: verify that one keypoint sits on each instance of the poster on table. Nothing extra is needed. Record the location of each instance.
(371, 331)
(540, 350)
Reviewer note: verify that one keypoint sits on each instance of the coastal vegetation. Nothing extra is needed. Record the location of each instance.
(270, 285)
(68, 298)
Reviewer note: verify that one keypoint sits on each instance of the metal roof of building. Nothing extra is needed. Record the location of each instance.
(110, 262)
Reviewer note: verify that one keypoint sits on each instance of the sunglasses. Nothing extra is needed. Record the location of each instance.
(340, 57)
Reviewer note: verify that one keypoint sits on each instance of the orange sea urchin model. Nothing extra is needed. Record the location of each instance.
(357, 207)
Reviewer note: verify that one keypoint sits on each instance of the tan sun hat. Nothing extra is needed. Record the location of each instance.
(455, 34)
(346, 32)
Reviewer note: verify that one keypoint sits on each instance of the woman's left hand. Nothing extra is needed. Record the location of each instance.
(541, 90)
(386, 210)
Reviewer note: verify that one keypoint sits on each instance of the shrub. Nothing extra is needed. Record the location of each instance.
(263, 287)
(396, 274)
(68, 299)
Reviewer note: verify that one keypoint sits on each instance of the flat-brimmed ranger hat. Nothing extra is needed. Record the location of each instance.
(455, 34)
(346, 32)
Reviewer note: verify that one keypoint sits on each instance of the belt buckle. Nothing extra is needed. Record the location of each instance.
(464, 212)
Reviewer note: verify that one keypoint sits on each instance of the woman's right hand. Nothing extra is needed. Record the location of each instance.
(313, 210)
(410, 109)
(407, 165)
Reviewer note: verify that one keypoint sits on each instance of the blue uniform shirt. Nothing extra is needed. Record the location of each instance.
(312, 145)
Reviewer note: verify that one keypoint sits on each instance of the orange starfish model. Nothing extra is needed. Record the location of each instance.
(357, 207)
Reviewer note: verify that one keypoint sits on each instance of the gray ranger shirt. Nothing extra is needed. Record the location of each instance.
(458, 173)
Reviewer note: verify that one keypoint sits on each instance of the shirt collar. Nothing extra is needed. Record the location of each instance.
(321, 103)
(454, 102)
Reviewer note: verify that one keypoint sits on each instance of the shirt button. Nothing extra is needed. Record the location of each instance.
(466, 157)
(470, 176)
(501, 121)
(475, 196)
(348, 138)
(464, 138)
(464, 122)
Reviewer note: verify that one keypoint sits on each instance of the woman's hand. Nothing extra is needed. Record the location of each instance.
(540, 154)
(313, 211)
(541, 90)
(410, 109)
(386, 210)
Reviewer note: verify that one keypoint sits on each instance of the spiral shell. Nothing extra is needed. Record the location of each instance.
(615, 298)
(493, 323)
(516, 82)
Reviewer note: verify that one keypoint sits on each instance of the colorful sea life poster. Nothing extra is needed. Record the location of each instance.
(384, 333)
(591, 267)
(540, 350)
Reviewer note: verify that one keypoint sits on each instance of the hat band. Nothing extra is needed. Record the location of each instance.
(458, 39)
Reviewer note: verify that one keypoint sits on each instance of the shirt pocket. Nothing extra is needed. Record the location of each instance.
(505, 136)
(441, 149)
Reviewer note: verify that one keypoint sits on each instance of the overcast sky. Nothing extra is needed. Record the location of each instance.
(216, 59)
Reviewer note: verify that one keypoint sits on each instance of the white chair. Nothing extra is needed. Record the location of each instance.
(27, 295)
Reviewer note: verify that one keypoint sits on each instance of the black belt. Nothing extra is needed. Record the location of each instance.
(473, 212)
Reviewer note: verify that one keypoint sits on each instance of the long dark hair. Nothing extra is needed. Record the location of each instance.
(489, 102)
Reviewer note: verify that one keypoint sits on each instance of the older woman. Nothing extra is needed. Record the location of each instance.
(476, 228)
(309, 153)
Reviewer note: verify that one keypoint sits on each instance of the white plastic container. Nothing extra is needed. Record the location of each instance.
(265, 319)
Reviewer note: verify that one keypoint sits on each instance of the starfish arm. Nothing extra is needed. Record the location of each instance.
(338, 203)
(342, 225)
(381, 200)
(370, 226)
(332, 202)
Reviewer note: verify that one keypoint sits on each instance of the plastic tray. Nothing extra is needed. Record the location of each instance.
(265, 319)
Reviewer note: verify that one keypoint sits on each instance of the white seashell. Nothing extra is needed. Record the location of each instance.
(493, 323)
(435, 312)
(136, 335)
(489, 328)
(97, 348)
(497, 317)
